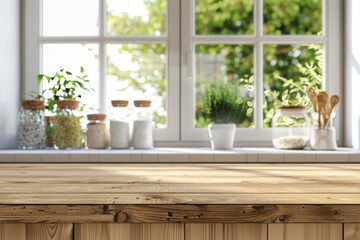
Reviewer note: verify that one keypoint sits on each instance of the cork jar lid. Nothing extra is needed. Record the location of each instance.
(142, 103)
(68, 104)
(96, 117)
(33, 104)
(119, 103)
(291, 109)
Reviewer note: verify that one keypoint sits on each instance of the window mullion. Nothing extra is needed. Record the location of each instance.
(102, 57)
(258, 65)
(287, 39)
(258, 18)
(188, 131)
(333, 57)
(258, 97)
(173, 72)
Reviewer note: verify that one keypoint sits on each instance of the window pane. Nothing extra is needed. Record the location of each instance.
(232, 64)
(71, 57)
(291, 17)
(70, 17)
(224, 17)
(136, 17)
(138, 71)
(288, 71)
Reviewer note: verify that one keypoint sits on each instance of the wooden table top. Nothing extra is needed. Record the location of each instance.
(179, 184)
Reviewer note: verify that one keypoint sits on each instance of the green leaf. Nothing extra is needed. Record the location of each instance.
(81, 69)
(249, 112)
(39, 78)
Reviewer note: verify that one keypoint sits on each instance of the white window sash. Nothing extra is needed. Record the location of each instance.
(32, 62)
(257, 136)
(180, 109)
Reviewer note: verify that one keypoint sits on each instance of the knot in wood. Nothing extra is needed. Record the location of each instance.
(337, 212)
(283, 218)
(106, 209)
(121, 217)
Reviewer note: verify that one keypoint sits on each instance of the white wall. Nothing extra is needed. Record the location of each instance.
(9, 70)
(352, 74)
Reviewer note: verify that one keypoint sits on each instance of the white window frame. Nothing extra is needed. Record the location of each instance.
(331, 40)
(33, 41)
(180, 40)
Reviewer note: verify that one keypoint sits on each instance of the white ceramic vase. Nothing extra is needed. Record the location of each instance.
(222, 136)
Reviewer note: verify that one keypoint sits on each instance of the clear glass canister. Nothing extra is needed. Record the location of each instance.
(67, 125)
(291, 127)
(119, 125)
(31, 125)
(143, 125)
(97, 133)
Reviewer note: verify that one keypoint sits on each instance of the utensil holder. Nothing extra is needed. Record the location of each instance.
(323, 136)
(323, 139)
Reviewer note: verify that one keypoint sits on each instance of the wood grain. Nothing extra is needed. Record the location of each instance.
(351, 231)
(129, 232)
(36, 231)
(49, 231)
(12, 232)
(219, 231)
(180, 184)
(180, 213)
(305, 232)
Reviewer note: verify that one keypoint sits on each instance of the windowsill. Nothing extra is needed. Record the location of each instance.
(181, 155)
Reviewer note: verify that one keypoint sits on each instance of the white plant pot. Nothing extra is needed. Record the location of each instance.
(222, 136)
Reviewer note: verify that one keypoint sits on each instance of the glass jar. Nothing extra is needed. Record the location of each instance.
(50, 132)
(31, 125)
(142, 126)
(291, 127)
(119, 125)
(97, 133)
(68, 134)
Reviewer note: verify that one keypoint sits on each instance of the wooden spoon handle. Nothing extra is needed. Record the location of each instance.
(313, 98)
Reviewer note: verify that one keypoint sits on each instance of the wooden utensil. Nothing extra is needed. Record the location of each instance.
(333, 101)
(313, 98)
(321, 101)
(325, 115)
(326, 99)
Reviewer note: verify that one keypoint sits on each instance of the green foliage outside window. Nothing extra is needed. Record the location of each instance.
(288, 69)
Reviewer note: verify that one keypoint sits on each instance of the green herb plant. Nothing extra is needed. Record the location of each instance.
(221, 104)
(63, 85)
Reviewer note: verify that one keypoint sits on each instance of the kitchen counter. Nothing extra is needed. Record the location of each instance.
(180, 193)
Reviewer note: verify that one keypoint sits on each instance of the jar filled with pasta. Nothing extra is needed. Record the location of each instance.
(68, 133)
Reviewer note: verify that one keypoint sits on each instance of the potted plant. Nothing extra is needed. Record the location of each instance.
(222, 106)
(62, 96)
